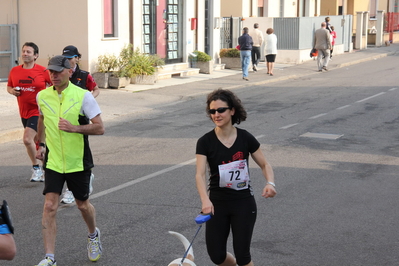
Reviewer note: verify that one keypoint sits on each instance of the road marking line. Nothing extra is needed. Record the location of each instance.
(321, 135)
(288, 126)
(140, 179)
(343, 107)
(392, 89)
(317, 116)
(368, 98)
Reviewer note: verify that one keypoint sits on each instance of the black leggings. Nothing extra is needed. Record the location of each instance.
(240, 215)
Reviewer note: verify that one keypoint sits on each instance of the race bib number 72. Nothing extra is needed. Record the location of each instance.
(234, 175)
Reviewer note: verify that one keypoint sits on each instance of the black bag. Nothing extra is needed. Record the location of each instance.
(5, 217)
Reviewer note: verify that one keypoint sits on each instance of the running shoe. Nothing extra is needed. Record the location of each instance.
(37, 175)
(94, 248)
(47, 262)
(68, 197)
(91, 183)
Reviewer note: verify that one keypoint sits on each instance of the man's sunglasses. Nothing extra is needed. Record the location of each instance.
(219, 110)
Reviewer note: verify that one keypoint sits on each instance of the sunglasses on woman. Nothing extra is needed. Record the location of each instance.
(219, 110)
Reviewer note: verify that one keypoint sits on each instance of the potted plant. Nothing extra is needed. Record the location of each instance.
(105, 65)
(204, 62)
(230, 57)
(143, 68)
(120, 77)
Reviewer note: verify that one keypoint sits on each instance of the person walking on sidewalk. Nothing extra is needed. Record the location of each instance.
(333, 37)
(270, 50)
(68, 157)
(24, 82)
(328, 25)
(257, 37)
(229, 197)
(322, 42)
(84, 80)
(245, 42)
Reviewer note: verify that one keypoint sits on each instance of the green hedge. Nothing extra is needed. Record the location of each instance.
(229, 52)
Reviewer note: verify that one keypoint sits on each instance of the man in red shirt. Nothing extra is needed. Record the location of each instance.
(24, 82)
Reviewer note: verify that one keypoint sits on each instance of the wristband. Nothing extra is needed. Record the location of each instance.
(41, 144)
(271, 183)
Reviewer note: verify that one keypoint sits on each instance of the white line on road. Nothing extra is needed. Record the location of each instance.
(393, 89)
(140, 179)
(317, 116)
(343, 107)
(368, 98)
(288, 126)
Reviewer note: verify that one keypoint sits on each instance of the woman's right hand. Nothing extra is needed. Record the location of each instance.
(207, 207)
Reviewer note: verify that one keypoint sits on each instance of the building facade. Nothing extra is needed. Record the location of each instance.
(170, 28)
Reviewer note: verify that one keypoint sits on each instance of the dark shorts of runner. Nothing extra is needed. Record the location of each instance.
(270, 58)
(30, 122)
(78, 183)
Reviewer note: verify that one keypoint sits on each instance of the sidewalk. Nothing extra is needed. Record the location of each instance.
(281, 71)
(11, 128)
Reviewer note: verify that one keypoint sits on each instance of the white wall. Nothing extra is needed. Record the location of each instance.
(272, 8)
(96, 44)
(290, 8)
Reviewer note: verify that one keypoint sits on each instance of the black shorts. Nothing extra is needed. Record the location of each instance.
(30, 122)
(270, 58)
(78, 183)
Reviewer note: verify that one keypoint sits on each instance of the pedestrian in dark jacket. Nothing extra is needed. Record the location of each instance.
(245, 42)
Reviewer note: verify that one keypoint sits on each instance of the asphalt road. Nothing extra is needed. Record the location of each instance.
(337, 185)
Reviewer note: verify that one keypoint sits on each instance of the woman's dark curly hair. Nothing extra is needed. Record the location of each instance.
(232, 101)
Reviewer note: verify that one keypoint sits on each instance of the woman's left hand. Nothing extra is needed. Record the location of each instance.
(269, 191)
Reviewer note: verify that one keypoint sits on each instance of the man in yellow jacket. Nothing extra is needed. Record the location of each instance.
(63, 130)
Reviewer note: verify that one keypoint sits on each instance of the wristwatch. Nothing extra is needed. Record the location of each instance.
(41, 144)
(271, 183)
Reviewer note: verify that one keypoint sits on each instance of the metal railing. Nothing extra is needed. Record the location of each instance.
(230, 31)
(8, 49)
(391, 23)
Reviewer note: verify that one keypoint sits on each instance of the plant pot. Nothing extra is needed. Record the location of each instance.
(205, 67)
(118, 82)
(101, 79)
(144, 79)
(231, 62)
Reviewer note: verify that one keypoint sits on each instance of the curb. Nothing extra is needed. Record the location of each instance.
(377, 56)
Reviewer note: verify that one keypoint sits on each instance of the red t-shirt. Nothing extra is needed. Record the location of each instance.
(31, 81)
(334, 36)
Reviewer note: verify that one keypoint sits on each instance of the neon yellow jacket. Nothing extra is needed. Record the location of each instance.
(66, 152)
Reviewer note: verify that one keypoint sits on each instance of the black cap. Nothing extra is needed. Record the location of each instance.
(71, 51)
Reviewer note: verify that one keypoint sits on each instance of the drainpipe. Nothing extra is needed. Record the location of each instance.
(18, 35)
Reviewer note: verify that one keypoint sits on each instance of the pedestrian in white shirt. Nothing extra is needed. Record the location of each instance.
(270, 50)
